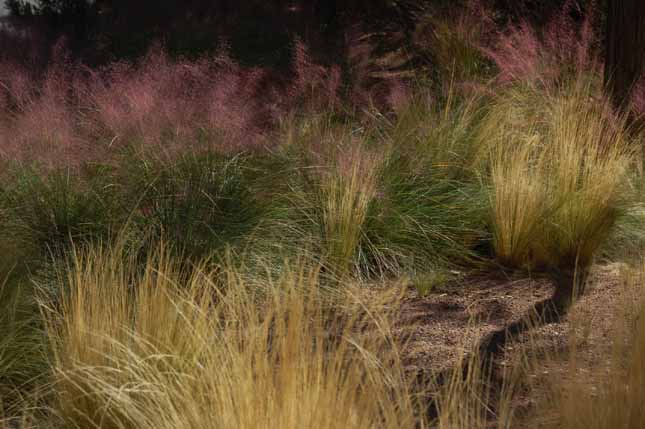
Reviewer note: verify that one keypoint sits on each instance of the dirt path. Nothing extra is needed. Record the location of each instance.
(588, 330)
(457, 316)
(460, 316)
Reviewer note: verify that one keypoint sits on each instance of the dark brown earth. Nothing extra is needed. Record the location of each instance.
(587, 333)
(592, 320)
(458, 316)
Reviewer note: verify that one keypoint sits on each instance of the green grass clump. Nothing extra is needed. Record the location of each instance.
(383, 200)
(22, 343)
(425, 221)
(199, 202)
(49, 210)
(437, 133)
(431, 209)
(323, 206)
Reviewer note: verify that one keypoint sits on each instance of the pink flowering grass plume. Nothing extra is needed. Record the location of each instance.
(314, 87)
(523, 53)
(41, 122)
(70, 110)
(638, 99)
(162, 99)
(365, 84)
(65, 112)
(236, 108)
(377, 81)
(16, 89)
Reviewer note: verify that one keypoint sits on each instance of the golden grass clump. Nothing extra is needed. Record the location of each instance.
(558, 169)
(346, 194)
(519, 202)
(161, 348)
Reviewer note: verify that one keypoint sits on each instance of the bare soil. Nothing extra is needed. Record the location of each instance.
(456, 318)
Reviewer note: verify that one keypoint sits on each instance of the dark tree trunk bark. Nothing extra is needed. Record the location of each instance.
(625, 47)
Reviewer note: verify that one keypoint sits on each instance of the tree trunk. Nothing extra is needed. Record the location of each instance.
(625, 47)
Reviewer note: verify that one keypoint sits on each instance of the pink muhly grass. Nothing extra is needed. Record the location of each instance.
(360, 62)
(45, 132)
(365, 85)
(398, 95)
(373, 81)
(40, 122)
(523, 53)
(160, 97)
(314, 87)
(235, 106)
(137, 102)
(16, 89)
(69, 108)
(67, 113)
(638, 98)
